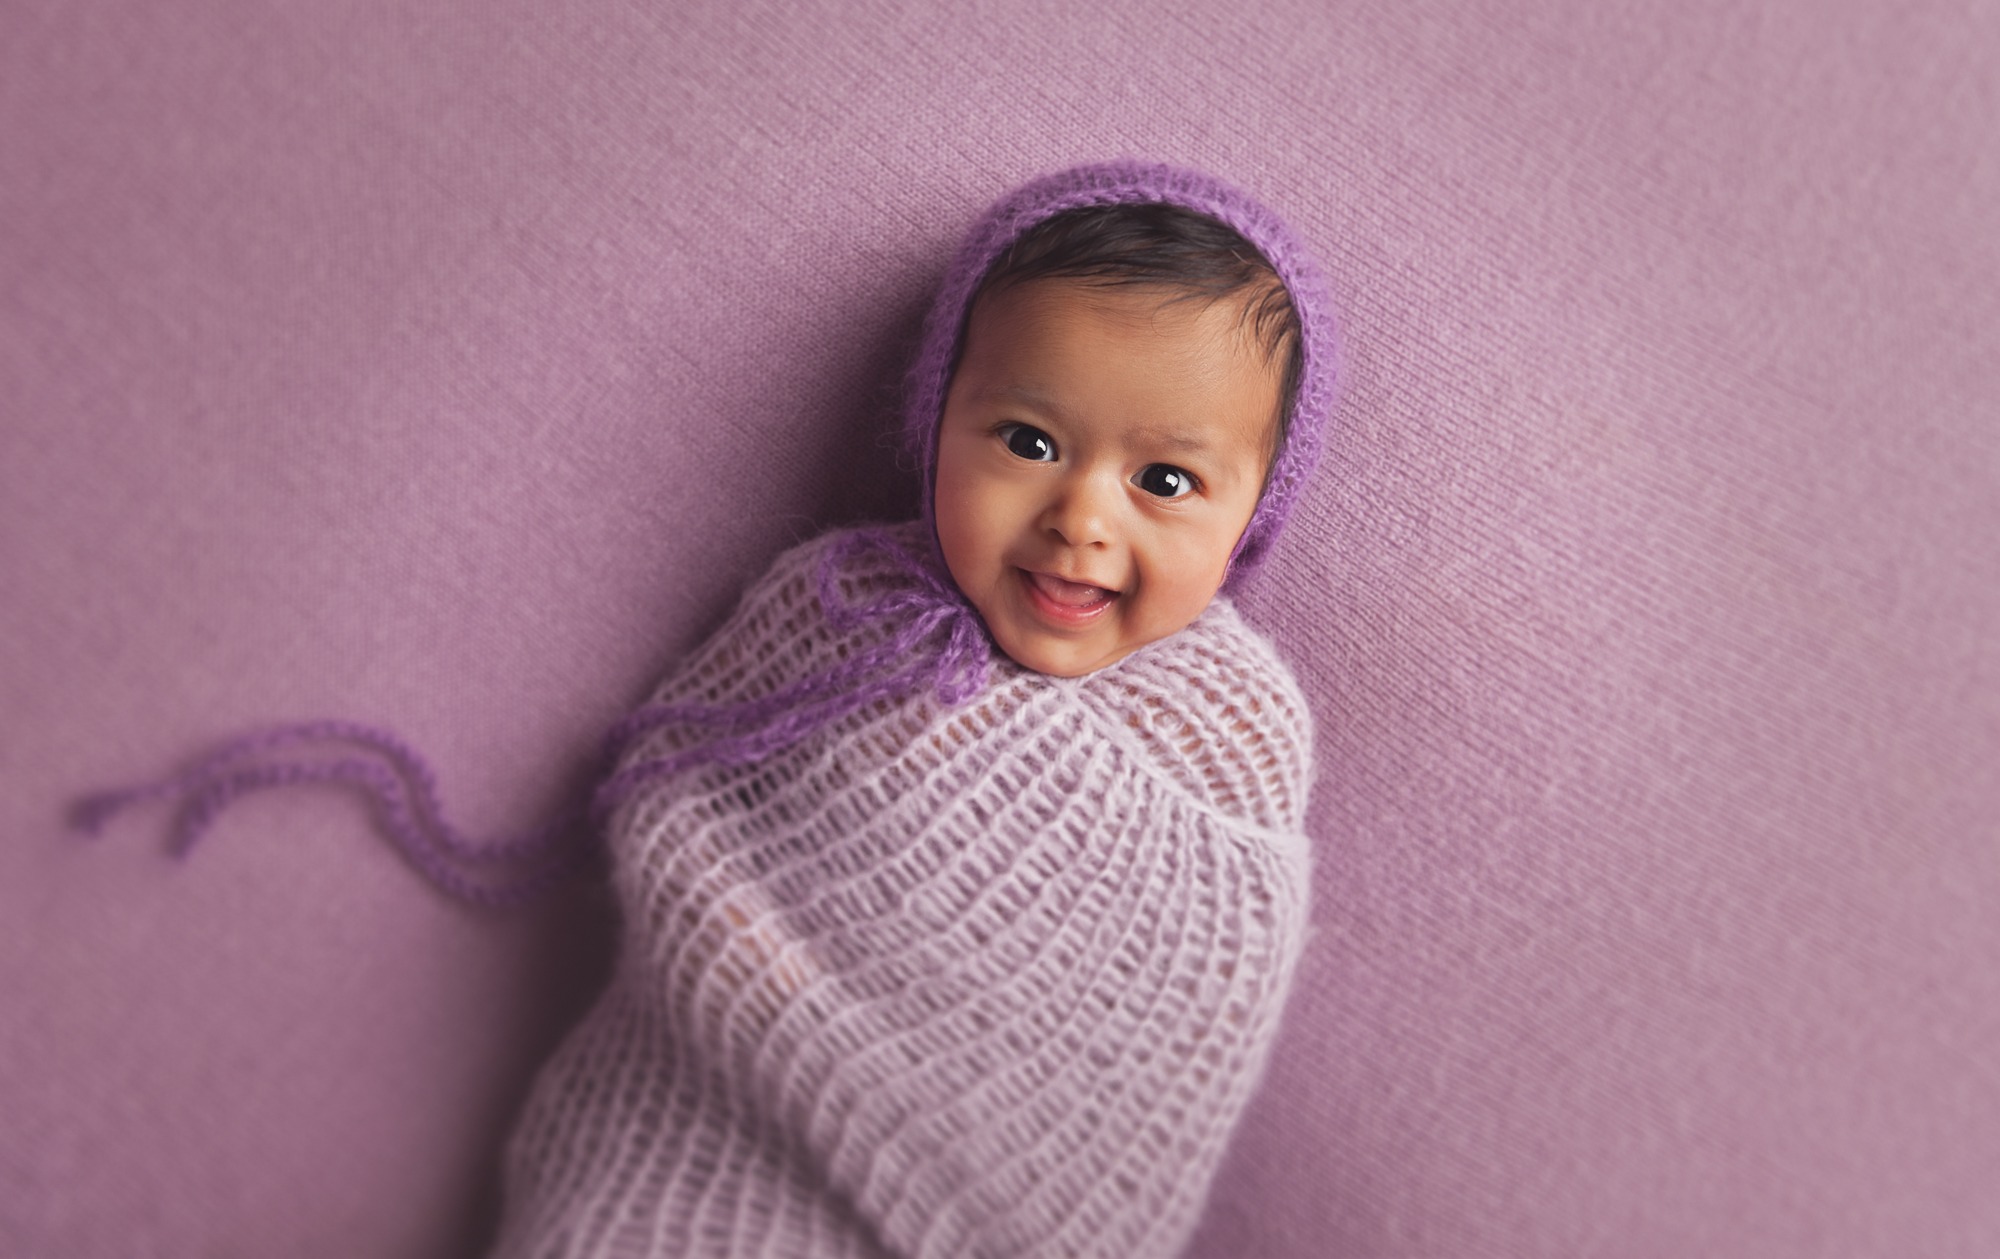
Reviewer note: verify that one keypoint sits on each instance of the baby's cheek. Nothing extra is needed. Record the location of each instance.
(971, 518)
(1180, 589)
(974, 576)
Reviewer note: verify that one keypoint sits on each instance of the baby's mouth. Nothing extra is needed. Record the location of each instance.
(1069, 601)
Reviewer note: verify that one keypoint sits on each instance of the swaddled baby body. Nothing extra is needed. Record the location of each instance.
(993, 979)
(990, 972)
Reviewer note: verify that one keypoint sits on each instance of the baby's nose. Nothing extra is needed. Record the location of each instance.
(1081, 511)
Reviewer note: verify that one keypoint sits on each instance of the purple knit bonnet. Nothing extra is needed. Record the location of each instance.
(930, 636)
(1126, 183)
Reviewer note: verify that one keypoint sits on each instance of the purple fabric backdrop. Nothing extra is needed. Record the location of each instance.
(452, 365)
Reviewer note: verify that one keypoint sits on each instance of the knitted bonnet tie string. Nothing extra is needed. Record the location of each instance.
(398, 781)
(936, 639)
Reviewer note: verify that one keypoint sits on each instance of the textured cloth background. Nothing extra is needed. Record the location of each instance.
(454, 365)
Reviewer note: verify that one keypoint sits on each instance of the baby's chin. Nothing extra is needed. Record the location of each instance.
(1041, 662)
(1063, 658)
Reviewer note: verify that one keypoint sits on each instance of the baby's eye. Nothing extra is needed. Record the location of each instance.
(1164, 480)
(1028, 442)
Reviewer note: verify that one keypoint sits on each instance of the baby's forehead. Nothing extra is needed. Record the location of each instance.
(1190, 322)
(1192, 354)
(1137, 300)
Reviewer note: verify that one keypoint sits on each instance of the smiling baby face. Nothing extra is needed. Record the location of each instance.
(1101, 450)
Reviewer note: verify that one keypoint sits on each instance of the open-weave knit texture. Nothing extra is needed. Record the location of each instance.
(987, 980)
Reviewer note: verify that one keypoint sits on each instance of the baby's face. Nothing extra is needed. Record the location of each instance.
(1100, 453)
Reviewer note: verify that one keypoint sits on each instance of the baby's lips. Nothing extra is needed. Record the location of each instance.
(1071, 594)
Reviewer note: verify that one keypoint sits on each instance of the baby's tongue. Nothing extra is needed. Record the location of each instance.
(1073, 594)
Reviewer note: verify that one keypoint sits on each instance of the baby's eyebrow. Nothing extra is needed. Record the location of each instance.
(1174, 439)
(1033, 399)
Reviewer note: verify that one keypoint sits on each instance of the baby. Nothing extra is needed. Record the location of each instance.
(982, 951)
(962, 872)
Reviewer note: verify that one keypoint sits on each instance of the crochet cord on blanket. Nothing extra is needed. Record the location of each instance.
(938, 641)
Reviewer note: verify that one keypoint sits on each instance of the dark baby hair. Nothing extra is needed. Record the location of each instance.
(1154, 243)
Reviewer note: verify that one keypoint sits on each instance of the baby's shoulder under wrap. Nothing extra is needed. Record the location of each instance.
(994, 979)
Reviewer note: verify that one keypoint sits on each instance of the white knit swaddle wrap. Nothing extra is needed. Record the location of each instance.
(993, 980)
